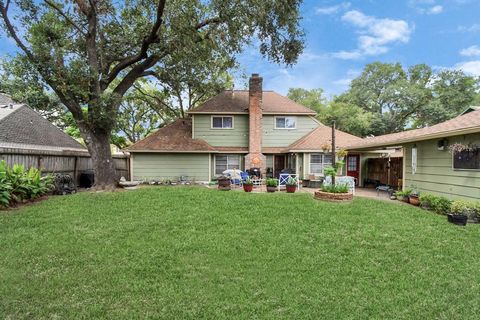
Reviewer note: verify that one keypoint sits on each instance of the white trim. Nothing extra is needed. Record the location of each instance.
(315, 120)
(282, 116)
(209, 167)
(404, 167)
(222, 116)
(193, 127)
(131, 167)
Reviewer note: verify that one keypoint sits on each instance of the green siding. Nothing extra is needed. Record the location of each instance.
(435, 171)
(156, 166)
(236, 137)
(284, 137)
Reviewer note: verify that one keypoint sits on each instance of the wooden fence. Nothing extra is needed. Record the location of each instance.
(53, 161)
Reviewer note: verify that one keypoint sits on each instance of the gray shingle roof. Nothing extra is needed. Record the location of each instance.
(5, 99)
(22, 125)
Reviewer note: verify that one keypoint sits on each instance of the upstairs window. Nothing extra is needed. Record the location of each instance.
(467, 159)
(285, 122)
(221, 122)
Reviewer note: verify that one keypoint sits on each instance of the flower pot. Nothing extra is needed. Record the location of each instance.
(458, 219)
(414, 200)
(291, 188)
(248, 187)
(271, 189)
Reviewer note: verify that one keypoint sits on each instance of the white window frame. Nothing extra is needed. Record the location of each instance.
(228, 162)
(222, 128)
(292, 117)
(322, 165)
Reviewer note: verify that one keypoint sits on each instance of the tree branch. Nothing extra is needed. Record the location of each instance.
(142, 54)
(63, 14)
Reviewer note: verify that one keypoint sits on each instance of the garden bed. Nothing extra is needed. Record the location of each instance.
(334, 197)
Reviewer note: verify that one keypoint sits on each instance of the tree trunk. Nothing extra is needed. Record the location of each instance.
(98, 144)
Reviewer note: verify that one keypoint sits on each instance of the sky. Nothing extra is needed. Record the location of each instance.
(343, 36)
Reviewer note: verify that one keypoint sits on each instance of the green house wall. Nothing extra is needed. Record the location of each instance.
(157, 166)
(435, 173)
(284, 137)
(236, 137)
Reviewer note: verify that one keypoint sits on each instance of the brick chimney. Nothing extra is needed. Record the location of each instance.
(255, 158)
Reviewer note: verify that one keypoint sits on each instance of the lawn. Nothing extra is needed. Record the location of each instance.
(175, 252)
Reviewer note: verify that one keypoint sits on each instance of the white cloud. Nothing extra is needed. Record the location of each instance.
(344, 83)
(375, 34)
(473, 28)
(333, 9)
(469, 67)
(434, 10)
(472, 51)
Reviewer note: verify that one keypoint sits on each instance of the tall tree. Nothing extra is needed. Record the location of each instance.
(90, 53)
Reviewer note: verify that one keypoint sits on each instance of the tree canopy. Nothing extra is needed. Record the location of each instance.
(387, 98)
(91, 53)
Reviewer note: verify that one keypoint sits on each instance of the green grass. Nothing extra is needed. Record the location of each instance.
(197, 253)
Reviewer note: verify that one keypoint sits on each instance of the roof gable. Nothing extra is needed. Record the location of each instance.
(23, 125)
(236, 101)
(314, 140)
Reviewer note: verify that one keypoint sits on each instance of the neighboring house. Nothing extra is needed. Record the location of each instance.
(23, 128)
(429, 165)
(239, 129)
(29, 139)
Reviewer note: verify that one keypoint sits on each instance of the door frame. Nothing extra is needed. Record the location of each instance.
(356, 155)
(284, 162)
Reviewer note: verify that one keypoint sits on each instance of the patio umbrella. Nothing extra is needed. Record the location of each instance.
(233, 173)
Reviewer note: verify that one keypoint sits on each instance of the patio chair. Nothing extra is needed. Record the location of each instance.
(284, 177)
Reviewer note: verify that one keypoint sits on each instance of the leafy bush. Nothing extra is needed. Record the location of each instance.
(404, 193)
(438, 204)
(339, 188)
(18, 184)
(272, 182)
(471, 209)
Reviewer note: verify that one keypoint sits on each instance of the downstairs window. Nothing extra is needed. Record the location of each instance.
(226, 162)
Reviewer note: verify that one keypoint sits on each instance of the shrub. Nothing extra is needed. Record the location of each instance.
(339, 188)
(272, 182)
(18, 184)
(439, 204)
(404, 193)
(471, 209)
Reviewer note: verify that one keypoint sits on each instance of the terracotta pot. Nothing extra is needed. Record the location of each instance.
(291, 188)
(271, 189)
(248, 187)
(414, 200)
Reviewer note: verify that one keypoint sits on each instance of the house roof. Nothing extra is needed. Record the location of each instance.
(463, 124)
(236, 101)
(5, 99)
(175, 137)
(322, 135)
(21, 126)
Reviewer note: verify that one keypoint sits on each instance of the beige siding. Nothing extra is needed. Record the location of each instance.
(157, 166)
(435, 171)
(236, 137)
(284, 137)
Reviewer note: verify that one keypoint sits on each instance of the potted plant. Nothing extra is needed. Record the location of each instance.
(248, 185)
(460, 209)
(272, 184)
(291, 185)
(403, 195)
(413, 197)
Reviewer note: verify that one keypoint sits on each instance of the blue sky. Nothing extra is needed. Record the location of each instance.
(343, 36)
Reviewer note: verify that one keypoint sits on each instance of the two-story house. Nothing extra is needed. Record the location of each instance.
(239, 129)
